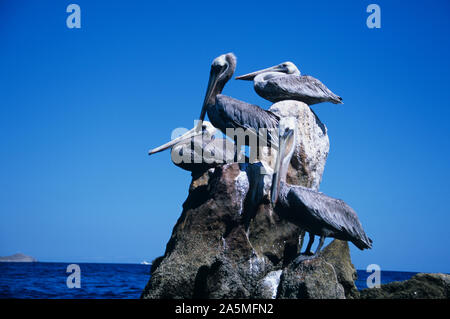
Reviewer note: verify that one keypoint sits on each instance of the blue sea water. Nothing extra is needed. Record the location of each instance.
(385, 277)
(100, 281)
(48, 280)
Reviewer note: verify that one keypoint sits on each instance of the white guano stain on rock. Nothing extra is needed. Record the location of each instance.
(271, 282)
(242, 186)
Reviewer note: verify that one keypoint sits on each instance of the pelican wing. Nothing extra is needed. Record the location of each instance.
(238, 114)
(332, 213)
(304, 88)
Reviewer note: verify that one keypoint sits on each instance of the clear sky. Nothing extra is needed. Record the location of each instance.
(79, 109)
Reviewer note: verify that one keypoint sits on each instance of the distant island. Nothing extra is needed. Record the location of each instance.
(18, 258)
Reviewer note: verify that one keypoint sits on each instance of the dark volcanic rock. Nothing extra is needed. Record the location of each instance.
(221, 280)
(329, 276)
(311, 279)
(420, 286)
(337, 253)
(210, 254)
(209, 213)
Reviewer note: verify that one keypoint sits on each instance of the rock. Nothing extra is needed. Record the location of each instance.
(311, 279)
(420, 286)
(311, 152)
(18, 258)
(209, 253)
(209, 215)
(155, 263)
(220, 280)
(337, 253)
(330, 276)
(229, 243)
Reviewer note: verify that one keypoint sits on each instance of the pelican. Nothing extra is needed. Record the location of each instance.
(284, 82)
(225, 112)
(199, 150)
(313, 211)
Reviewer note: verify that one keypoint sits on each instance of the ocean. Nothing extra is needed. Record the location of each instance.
(100, 281)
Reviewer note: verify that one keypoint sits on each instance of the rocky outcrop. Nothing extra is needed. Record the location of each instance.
(420, 286)
(330, 275)
(18, 258)
(229, 243)
(337, 253)
(311, 279)
(214, 253)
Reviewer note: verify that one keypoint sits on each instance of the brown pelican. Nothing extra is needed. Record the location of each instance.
(199, 150)
(284, 82)
(313, 211)
(228, 113)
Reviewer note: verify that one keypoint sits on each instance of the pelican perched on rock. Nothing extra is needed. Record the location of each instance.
(228, 113)
(313, 211)
(199, 150)
(284, 82)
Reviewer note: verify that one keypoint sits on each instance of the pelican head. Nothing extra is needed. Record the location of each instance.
(285, 68)
(287, 143)
(207, 131)
(222, 69)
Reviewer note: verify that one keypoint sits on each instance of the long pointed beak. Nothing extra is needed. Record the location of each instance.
(251, 76)
(276, 177)
(209, 90)
(186, 136)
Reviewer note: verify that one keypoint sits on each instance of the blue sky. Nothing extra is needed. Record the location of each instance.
(79, 110)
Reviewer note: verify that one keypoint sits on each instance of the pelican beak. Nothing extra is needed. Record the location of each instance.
(280, 164)
(210, 89)
(251, 76)
(186, 136)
